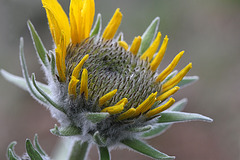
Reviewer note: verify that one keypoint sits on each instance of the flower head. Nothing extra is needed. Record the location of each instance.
(100, 89)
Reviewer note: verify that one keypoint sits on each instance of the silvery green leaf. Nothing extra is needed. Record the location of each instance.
(21, 82)
(97, 117)
(52, 62)
(97, 26)
(141, 129)
(120, 37)
(187, 80)
(37, 145)
(68, 131)
(33, 91)
(49, 100)
(145, 149)
(98, 139)
(171, 75)
(39, 47)
(32, 152)
(79, 151)
(11, 155)
(179, 105)
(175, 116)
(104, 153)
(149, 35)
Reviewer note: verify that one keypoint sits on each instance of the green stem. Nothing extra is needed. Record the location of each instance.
(79, 151)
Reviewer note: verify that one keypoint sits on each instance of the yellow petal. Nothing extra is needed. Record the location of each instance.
(124, 101)
(136, 45)
(77, 69)
(58, 20)
(169, 68)
(176, 79)
(127, 114)
(160, 108)
(157, 60)
(59, 58)
(113, 25)
(114, 109)
(81, 19)
(168, 93)
(72, 86)
(123, 44)
(107, 97)
(152, 49)
(84, 83)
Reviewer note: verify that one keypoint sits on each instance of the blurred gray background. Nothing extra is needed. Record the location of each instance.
(209, 32)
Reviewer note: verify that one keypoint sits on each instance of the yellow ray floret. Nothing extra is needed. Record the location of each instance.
(157, 60)
(57, 19)
(176, 79)
(81, 13)
(107, 97)
(59, 55)
(169, 68)
(168, 93)
(127, 114)
(160, 108)
(114, 109)
(113, 25)
(124, 101)
(136, 45)
(146, 105)
(123, 44)
(77, 69)
(72, 86)
(152, 49)
(84, 83)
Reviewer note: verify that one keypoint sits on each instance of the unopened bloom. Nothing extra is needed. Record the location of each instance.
(100, 89)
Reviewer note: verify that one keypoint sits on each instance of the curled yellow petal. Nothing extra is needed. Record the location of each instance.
(146, 105)
(77, 69)
(107, 97)
(72, 86)
(58, 20)
(59, 58)
(160, 108)
(124, 101)
(127, 114)
(169, 68)
(123, 44)
(84, 83)
(176, 79)
(168, 93)
(114, 109)
(157, 60)
(113, 25)
(81, 13)
(152, 49)
(136, 45)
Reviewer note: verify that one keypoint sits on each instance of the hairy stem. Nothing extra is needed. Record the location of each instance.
(79, 151)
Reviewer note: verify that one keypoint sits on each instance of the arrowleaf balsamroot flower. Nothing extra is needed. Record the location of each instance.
(100, 89)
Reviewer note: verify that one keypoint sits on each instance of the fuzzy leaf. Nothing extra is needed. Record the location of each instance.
(148, 35)
(187, 80)
(79, 151)
(172, 74)
(145, 149)
(32, 152)
(179, 105)
(21, 82)
(141, 129)
(174, 116)
(45, 95)
(53, 62)
(97, 26)
(37, 145)
(98, 139)
(26, 76)
(37, 42)
(11, 155)
(104, 153)
(68, 131)
(96, 117)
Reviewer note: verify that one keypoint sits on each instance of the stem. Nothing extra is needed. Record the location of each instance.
(79, 151)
